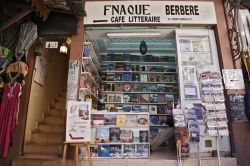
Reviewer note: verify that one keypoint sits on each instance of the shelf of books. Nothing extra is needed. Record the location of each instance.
(88, 51)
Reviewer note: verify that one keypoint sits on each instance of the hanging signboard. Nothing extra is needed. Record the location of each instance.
(78, 127)
(149, 12)
(73, 77)
(233, 78)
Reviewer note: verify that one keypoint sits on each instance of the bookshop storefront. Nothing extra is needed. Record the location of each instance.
(150, 83)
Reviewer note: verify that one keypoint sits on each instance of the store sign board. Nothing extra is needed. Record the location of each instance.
(233, 78)
(149, 12)
(78, 126)
(73, 77)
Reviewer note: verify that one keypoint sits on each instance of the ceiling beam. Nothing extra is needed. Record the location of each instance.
(16, 18)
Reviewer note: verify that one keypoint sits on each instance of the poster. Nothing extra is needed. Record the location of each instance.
(73, 77)
(78, 126)
(233, 78)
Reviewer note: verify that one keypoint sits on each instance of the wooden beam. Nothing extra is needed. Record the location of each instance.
(16, 18)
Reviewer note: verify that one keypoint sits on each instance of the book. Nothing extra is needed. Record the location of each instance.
(127, 108)
(143, 68)
(136, 88)
(136, 77)
(144, 88)
(153, 98)
(127, 87)
(161, 78)
(161, 98)
(142, 150)
(144, 108)
(97, 120)
(118, 87)
(151, 78)
(152, 109)
(126, 136)
(110, 108)
(153, 133)
(127, 76)
(135, 98)
(102, 135)
(127, 98)
(161, 110)
(154, 120)
(109, 119)
(93, 150)
(121, 120)
(163, 120)
(136, 135)
(115, 150)
(111, 67)
(153, 88)
(104, 67)
(127, 67)
(144, 98)
(114, 134)
(120, 67)
(118, 57)
(142, 120)
(117, 98)
(135, 67)
(103, 151)
(131, 120)
(143, 136)
(143, 77)
(129, 150)
(160, 88)
(119, 107)
(110, 77)
(136, 108)
(110, 57)
(169, 97)
(118, 76)
(126, 57)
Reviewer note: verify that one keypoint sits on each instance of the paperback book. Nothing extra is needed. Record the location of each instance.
(153, 98)
(103, 151)
(115, 150)
(129, 150)
(102, 135)
(144, 98)
(114, 134)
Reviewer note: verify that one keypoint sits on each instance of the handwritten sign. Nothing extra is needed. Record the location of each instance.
(78, 126)
(233, 78)
(73, 76)
(237, 107)
(149, 12)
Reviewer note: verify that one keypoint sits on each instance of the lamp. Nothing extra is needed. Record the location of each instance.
(63, 49)
(133, 34)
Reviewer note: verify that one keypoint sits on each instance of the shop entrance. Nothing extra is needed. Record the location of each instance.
(138, 87)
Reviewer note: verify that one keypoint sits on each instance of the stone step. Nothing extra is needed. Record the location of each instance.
(57, 112)
(51, 128)
(47, 138)
(43, 149)
(60, 106)
(54, 120)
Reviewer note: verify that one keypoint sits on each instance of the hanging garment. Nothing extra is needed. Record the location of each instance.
(8, 115)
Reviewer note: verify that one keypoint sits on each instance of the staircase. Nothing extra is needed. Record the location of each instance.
(46, 141)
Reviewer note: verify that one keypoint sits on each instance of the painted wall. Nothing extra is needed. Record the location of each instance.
(42, 96)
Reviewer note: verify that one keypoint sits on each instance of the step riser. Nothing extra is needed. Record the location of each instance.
(47, 139)
(57, 113)
(60, 106)
(43, 150)
(61, 100)
(51, 128)
(54, 120)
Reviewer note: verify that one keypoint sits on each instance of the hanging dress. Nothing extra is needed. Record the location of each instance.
(8, 115)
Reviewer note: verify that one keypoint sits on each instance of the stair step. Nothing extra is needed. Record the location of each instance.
(51, 128)
(43, 149)
(57, 112)
(60, 105)
(47, 138)
(61, 100)
(54, 120)
(38, 160)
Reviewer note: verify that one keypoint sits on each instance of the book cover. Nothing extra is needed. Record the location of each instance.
(169, 97)
(121, 120)
(110, 108)
(153, 88)
(110, 57)
(114, 134)
(143, 68)
(136, 108)
(127, 67)
(151, 78)
(160, 78)
(142, 120)
(144, 108)
(142, 150)
(135, 67)
(161, 98)
(144, 77)
(136, 88)
(135, 98)
(118, 57)
(93, 150)
(163, 120)
(160, 88)
(126, 136)
(144, 88)
(119, 87)
(136, 77)
(115, 150)
(127, 98)
(127, 76)
(110, 77)
(127, 108)
(109, 119)
(129, 150)
(153, 98)
(143, 136)
(102, 135)
(126, 57)
(161, 110)
(136, 135)
(127, 87)
(111, 67)
(117, 98)
(131, 120)
(152, 109)
(153, 133)
(118, 76)
(103, 151)
(104, 67)
(119, 66)
(100, 106)
(119, 107)
(97, 120)
(154, 120)
(144, 98)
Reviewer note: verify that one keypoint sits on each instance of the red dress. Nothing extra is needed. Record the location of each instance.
(8, 115)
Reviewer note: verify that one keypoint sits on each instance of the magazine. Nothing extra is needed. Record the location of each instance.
(129, 150)
(109, 119)
(144, 108)
(121, 120)
(102, 135)
(142, 120)
(143, 136)
(136, 135)
(152, 109)
(131, 120)
(115, 150)
(126, 136)
(103, 151)
(154, 120)
(127, 108)
(114, 134)
(97, 120)
(142, 150)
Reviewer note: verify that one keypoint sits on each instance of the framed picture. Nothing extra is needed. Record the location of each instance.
(191, 91)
